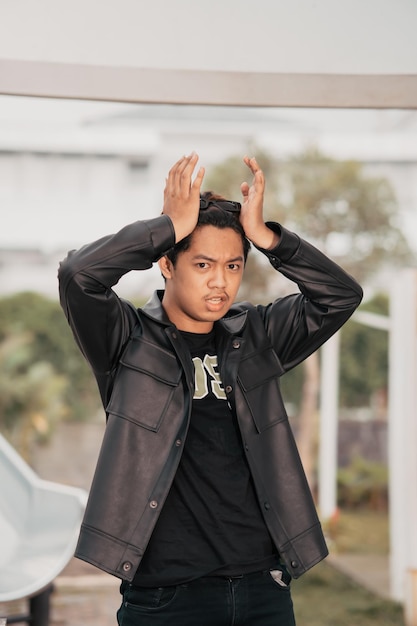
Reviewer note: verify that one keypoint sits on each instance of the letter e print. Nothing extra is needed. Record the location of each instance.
(206, 374)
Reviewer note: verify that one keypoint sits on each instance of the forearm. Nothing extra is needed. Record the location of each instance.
(99, 320)
(103, 262)
(317, 276)
(301, 323)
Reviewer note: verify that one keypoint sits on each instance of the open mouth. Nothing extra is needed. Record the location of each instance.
(216, 301)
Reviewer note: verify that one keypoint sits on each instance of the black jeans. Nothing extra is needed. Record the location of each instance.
(258, 599)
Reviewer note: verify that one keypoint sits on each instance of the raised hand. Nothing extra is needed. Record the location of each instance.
(182, 195)
(251, 215)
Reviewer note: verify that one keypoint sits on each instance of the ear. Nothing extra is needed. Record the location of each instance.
(166, 267)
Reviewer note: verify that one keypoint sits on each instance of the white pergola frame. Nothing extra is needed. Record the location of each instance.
(164, 86)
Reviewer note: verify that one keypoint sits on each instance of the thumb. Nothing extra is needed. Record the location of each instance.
(244, 188)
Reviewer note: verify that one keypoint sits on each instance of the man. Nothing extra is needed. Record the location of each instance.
(199, 502)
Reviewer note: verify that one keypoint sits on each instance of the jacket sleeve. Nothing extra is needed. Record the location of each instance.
(300, 323)
(99, 319)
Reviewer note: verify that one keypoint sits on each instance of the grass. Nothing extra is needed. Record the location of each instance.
(325, 597)
(359, 531)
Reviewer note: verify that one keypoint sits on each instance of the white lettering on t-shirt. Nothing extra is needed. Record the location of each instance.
(206, 373)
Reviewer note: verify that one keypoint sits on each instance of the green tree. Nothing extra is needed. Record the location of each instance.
(347, 214)
(352, 216)
(32, 394)
(364, 366)
(50, 341)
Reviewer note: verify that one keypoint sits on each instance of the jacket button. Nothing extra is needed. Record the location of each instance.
(267, 506)
(126, 567)
(178, 443)
(294, 564)
(229, 389)
(236, 344)
(153, 504)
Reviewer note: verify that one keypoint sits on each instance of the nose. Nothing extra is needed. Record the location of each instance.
(218, 278)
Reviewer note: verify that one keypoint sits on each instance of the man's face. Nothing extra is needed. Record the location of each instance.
(203, 285)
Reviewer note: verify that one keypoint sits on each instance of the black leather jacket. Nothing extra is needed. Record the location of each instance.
(146, 381)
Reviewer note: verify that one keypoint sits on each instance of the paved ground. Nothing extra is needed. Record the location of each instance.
(369, 570)
(84, 596)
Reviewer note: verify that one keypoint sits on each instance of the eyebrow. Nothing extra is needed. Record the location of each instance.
(208, 258)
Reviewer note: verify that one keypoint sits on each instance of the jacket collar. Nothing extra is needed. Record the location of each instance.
(154, 309)
(233, 323)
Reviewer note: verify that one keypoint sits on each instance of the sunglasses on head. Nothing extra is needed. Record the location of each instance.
(225, 205)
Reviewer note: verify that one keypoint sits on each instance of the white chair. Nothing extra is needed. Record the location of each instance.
(39, 525)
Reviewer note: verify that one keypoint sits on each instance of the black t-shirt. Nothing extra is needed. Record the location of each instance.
(211, 522)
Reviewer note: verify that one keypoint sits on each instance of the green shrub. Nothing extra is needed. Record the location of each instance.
(363, 484)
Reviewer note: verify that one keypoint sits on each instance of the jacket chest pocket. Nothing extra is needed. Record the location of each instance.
(145, 383)
(258, 378)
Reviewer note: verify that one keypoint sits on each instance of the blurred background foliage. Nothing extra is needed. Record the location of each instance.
(353, 217)
(44, 378)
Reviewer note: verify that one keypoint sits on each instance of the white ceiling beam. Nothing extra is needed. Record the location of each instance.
(268, 89)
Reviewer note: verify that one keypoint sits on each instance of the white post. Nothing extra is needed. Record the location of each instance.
(402, 447)
(329, 409)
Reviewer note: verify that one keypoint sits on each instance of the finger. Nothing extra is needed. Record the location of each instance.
(173, 167)
(179, 171)
(259, 180)
(185, 162)
(180, 165)
(251, 163)
(185, 172)
(171, 183)
(198, 181)
(244, 188)
(258, 175)
(181, 175)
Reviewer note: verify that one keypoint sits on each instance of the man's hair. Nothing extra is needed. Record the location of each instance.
(212, 216)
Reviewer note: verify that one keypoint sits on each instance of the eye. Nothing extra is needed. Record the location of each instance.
(235, 267)
(202, 265)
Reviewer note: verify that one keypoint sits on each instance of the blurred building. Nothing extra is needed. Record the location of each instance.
(71, 172)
